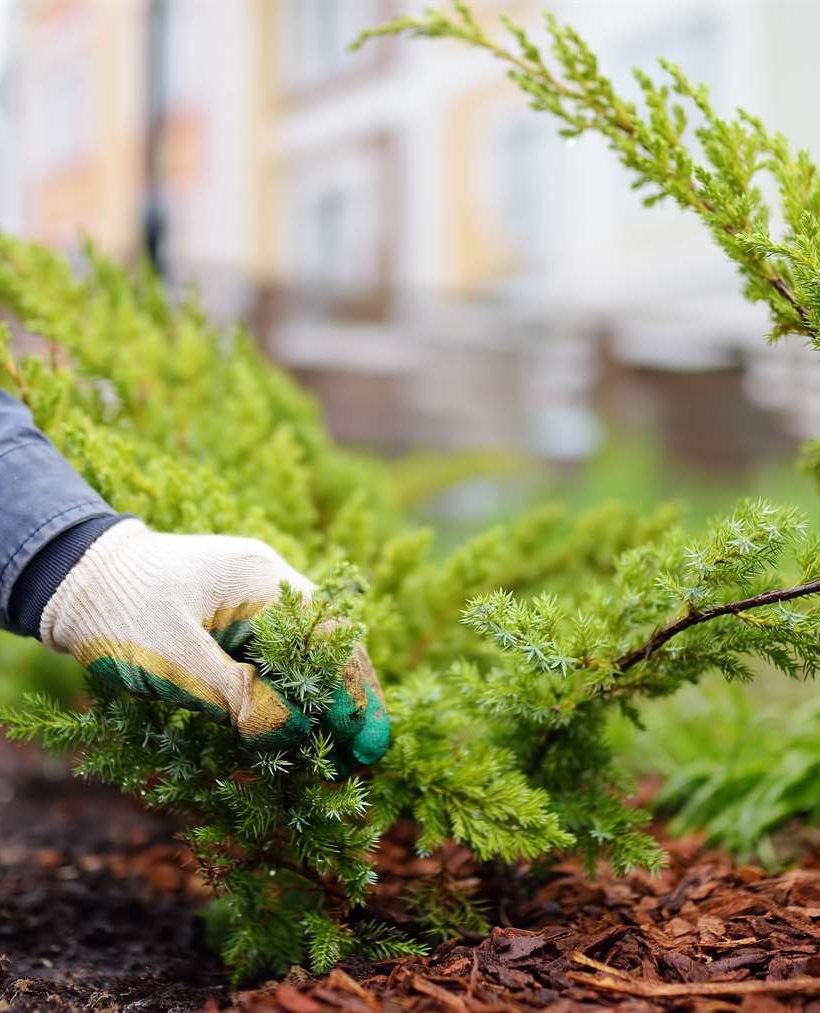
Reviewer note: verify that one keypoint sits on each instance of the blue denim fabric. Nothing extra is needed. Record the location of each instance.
(41, 496)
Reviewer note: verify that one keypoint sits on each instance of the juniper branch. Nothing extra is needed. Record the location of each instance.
(652, 146)
(695, 617)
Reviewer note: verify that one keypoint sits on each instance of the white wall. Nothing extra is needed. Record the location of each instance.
(9, 216)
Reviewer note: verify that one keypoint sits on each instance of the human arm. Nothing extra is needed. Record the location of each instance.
(47, 512)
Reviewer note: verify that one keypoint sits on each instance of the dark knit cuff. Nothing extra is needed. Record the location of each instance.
(44, 573)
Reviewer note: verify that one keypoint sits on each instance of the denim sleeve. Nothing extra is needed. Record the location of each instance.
(41, 497)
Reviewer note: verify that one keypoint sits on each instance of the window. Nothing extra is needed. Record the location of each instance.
(522, 181)
(63, 126)
(328, 221)
(339, 240)
(318, 35)
(518, 187)
(180, 41)
(335, 234)
(694, 43)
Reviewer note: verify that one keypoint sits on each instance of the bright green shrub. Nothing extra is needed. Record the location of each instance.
(502, 661)
(140, 418)
(722, 180)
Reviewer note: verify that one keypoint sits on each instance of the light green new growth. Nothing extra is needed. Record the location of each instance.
(285, 639)
(502, 661)
(721, 183)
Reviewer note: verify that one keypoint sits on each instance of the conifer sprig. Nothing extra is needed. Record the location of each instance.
(303, 648)
(721, 185)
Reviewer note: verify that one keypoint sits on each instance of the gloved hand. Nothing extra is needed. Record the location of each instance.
(148, 612)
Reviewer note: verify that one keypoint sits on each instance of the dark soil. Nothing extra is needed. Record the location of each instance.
(95, 911)
(98, 911)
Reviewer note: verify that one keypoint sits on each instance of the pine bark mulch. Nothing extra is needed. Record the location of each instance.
(98, 911)
(707, 934)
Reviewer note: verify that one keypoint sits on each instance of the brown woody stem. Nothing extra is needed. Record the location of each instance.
(666, 633)
(695, 618)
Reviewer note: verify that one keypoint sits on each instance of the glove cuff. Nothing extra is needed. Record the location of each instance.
(94, 558)
(46, 571)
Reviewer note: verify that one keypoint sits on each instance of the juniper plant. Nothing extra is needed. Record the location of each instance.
(501, 661)
(260, 823)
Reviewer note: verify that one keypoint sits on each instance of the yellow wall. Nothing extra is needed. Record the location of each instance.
(265, 259)
(98, 191)
(479, 253)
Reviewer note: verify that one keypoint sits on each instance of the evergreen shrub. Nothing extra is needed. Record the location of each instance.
(501, 660)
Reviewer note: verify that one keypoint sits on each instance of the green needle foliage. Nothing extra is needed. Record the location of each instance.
(286, 647)
(503, 660)
(193, 430)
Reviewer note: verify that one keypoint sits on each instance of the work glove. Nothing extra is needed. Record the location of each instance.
(156, 614)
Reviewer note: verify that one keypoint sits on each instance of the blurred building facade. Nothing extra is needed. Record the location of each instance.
(90, 81)
(396, 224)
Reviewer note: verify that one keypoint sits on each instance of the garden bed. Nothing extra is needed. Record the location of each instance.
(98, 911)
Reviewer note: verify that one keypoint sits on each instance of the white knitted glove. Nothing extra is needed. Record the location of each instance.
(145, 611)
